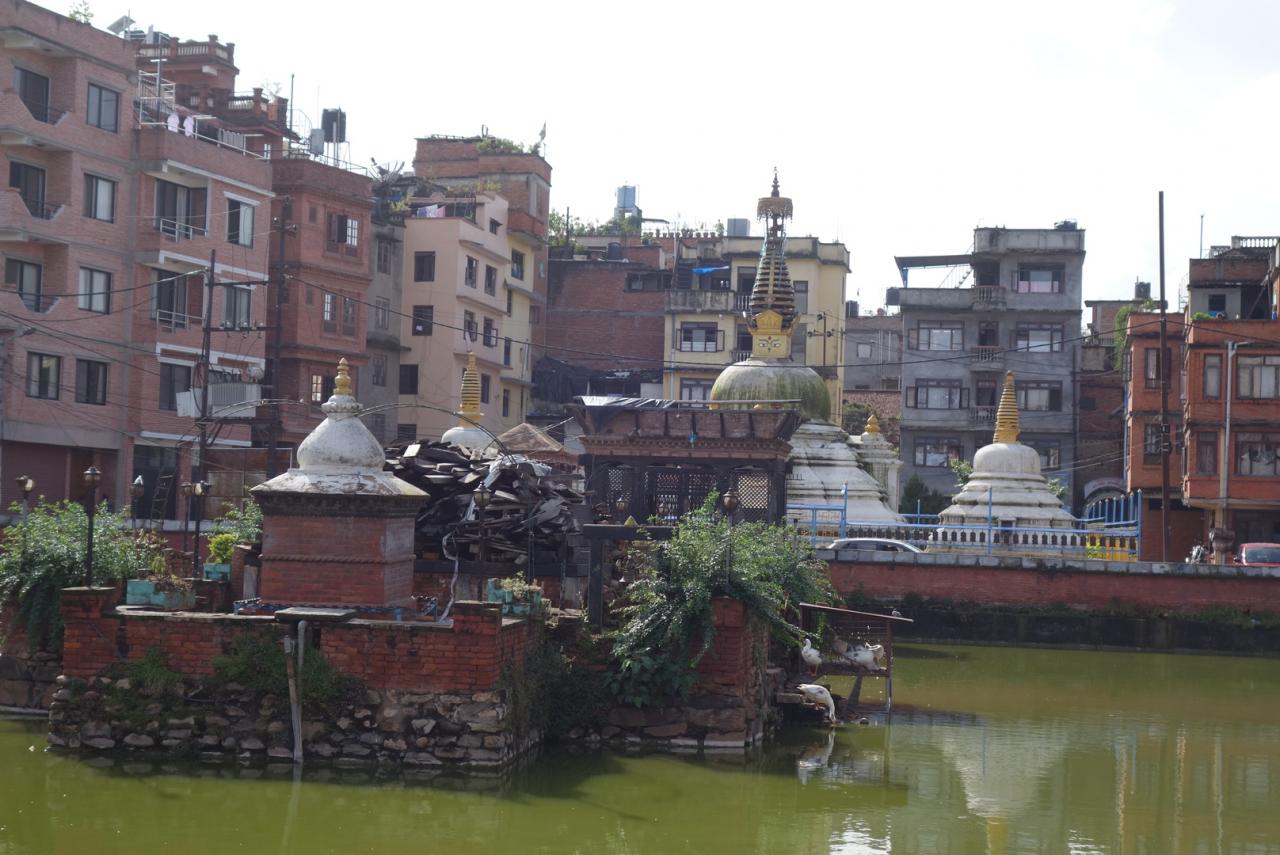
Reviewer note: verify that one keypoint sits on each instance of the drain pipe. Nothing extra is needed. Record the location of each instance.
(294, 671)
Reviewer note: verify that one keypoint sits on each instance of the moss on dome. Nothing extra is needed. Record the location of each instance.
(774, 380)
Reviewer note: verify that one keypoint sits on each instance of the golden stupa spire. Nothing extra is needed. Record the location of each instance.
(342, 383)
(773, 299)
(873, 424)
(470, 409)
(1007, 428)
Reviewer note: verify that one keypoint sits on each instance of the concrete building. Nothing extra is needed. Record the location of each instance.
(108, 227)
(873, 365)
(379, 379)
(1232, 282)
(1013, 303)
(1100, 404)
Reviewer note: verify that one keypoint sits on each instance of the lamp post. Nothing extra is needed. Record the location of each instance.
(185, 490)
(620, 510)
(25, 483)
(730, 504)
(199, 489)
(91, 478)
(136, 489)
(482, 497)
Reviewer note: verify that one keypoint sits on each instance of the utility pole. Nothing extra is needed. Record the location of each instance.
(1163, 361)
(197, 465)
(276, 330)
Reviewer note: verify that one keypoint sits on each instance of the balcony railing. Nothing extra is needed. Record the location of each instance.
(986, 353)
(987, 294)
(44, 112)
(178, 229)
(742, 302)
(984, 414)
(40, 209)
(226, 400)
(740, 355)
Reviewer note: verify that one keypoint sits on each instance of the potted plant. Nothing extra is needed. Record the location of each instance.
(162, 588)
(518, 597)
(218, 567)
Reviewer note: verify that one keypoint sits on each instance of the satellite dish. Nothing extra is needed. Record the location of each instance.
(120, 24)
(255, 372)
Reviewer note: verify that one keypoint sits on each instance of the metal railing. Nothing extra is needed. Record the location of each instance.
(43, 112)
(983, 414)
(40, 209)
(986, 353)
(741, 302)
(740, 355)
(178, 229)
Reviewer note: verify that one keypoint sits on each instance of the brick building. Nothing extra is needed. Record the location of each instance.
(108, 226)
(1100, 447)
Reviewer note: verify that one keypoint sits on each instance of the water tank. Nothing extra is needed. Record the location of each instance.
(334, 123)
(626, 197)
(615, 251)
(1142, 290)
(891, 297)
(738, 227)
(851, 308)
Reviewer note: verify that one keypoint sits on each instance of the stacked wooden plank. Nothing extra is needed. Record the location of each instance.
(525, 511)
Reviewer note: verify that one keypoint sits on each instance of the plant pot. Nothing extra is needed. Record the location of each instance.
(142, 592)
(217, 572)
(494, 594)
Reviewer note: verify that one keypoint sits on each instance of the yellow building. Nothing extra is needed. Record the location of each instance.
(464, 285)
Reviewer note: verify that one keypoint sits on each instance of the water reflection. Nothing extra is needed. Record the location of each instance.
(998, 751)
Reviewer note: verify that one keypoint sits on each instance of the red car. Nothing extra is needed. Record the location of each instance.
(1259, 554)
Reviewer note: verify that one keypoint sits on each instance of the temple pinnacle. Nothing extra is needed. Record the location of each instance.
(342, 383)
(1007, 428)
(470, 408)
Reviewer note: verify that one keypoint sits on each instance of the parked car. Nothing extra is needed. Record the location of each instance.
(877, 544)
(1259, 554)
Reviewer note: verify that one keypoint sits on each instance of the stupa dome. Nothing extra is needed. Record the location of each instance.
(757, 379)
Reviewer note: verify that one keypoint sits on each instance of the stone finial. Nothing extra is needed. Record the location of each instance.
(470, 408)
(1007, 428)
(873, 425)
(342, 383)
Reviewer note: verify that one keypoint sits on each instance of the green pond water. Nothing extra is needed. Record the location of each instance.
(990, 750)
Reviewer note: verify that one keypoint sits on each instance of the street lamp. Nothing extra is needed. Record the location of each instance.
(26, 484)
(185, 489)
(136, 489)
(730, 504)
(199, 489)
(482, 497)
(91, 478)
(619, 510)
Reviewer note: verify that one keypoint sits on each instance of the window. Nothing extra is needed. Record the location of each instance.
(1256, 453)
(180, 211)
(409, 379)
(484, 388)
(1039, 279)
(95, 290)
(29, 181)
(350, 314)
(169, 295)
(239, 304)
(1151, 442)
(406, 431)
(43, 375)
(506, 352)
(424, 267)
(535, 314)
(863, 349)
(938, 395)
(26, 277)
(1206, 452)
(353, 232)
(469, 328)
(378, 369)
(173, 379)
(381, 313)
(517, 264)
(1259, 377)
(701, 338)
(506, 403)
(1217, 303)
(99, 198)
(384, 256)
(104, 108)
(490, 333)
(937, 451)
(510, 300)
(695, 390)
(1212, 386)
(799, 344)
(1151, 366)
(472, 270)
(239, 222)
(1041, 396)
(91, 382)
(490, 280)
(421, 322)
(1050, 451)
(342, 234)
(1043, 337)
(321, 388)
(936, 335)
(33, 89)
(802, 296)
(494, 225)
(311, 296)
(329, 313)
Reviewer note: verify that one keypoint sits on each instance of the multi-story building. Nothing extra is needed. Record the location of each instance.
(514, 188)
(115, 209)
(1014, 305)
(1100, 446)
(379, 377)
(873, 365)
(1232, 282)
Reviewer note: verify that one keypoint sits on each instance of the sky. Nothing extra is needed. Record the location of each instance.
(895, 127)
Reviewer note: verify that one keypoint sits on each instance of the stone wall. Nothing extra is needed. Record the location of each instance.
(26, 675)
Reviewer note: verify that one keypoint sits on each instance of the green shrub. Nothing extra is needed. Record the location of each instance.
(45, 551)
(258, 664)
(152, 673)
(221, 546)
(667, 613)
(244, 523)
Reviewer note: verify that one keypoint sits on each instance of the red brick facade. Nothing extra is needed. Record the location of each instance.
(590, 311)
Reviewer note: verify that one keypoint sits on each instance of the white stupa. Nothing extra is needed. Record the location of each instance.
(1005, 490)
(467, 434)
(824, 467)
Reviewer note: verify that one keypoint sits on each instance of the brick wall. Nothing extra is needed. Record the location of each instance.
(468, 656)
(1184, 588)
(591, 312)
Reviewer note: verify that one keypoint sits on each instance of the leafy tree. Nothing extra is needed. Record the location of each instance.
(667, 614)
(916, 495)
(855, 418)
(963, 470)
(81, 12)
(245, 522)
(44, 553)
